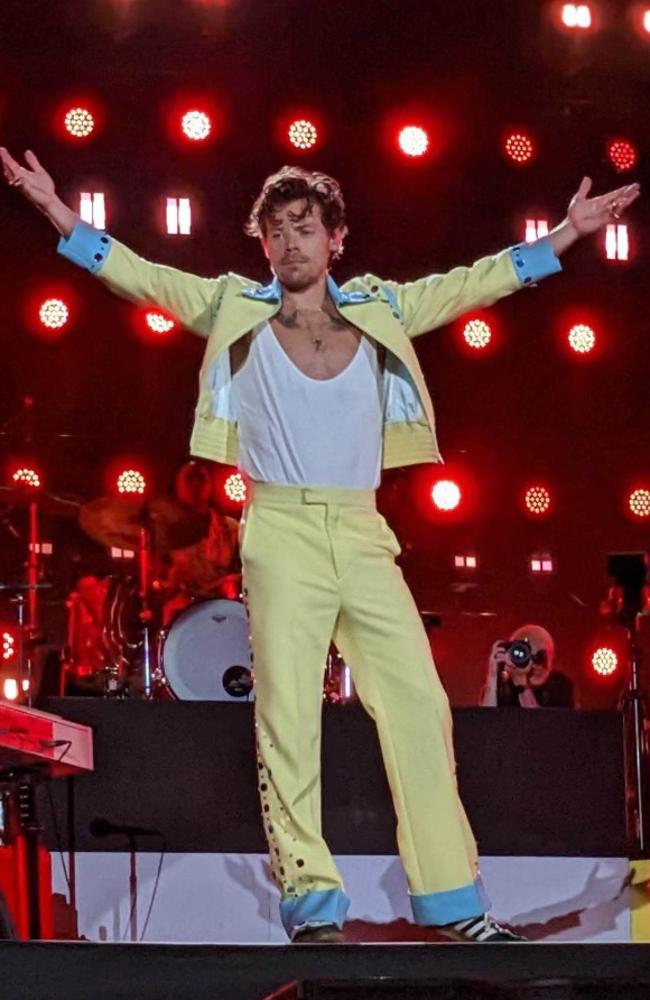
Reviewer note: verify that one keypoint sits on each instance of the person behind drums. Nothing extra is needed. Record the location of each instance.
(209, 567)
(312, 389)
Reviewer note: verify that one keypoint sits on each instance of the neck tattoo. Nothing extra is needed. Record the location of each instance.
(288, 317)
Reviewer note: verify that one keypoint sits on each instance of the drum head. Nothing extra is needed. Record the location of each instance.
(206, 655)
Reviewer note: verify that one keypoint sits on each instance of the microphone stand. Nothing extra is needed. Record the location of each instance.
(133, 889)
(626, 602)
(146, 616)
(634, 721)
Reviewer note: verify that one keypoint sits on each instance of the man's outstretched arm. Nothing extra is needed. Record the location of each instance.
(440, 298)
(189, 298)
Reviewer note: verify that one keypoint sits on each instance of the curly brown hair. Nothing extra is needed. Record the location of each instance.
(292, 184)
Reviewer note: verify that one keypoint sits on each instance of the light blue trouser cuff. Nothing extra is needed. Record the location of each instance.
(436, 908)
(321, 906)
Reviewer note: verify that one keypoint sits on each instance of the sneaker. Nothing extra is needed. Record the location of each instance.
(479, 930)
(319, 934)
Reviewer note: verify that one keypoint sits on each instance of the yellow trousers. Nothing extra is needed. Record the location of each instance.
(319, 564)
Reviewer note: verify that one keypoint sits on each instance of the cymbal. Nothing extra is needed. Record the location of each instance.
(112, 522)
(46, 502)
(117, 522)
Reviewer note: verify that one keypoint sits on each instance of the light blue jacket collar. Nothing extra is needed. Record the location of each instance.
(273, 293)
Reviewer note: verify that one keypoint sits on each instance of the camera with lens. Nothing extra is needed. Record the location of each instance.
(520, 655)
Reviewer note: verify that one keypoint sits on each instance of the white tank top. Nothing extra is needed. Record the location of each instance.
(300, 431)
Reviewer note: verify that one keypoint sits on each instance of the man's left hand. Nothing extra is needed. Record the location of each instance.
(588, 215)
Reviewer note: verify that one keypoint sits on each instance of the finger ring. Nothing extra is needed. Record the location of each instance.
(16, 182)
(613, 210)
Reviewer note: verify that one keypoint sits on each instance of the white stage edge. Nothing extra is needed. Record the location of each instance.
(229, 898)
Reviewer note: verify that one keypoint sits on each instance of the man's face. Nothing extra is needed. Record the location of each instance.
(298, 245)
(193, 486)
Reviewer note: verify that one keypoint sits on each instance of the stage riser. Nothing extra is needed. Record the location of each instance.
(534, 783)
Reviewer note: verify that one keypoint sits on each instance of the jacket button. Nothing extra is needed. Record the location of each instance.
(374, 288)
(396, 314)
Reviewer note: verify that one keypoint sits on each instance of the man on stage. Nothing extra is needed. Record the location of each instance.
(312, 389)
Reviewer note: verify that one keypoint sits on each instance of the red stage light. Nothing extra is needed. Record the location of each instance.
(10, 689)
(235, 488)
(541, 563)
(604, 661)
(92, 208)
(537, 500)
(50, 310)
(79, 122)
(53, 314)
(300, 128)
(192, 119)
(477, 334)
(623, 154)
(519, 147)
(413, 140)
(131, 482)
(645, 20)
(446, 495)
(577, 15)
(158, 323)
(617, 241)
(302, 133)
(466, 562)
(535, 229)
(9, 645)
(27, 477)
(196, 125)
(582, 338)
(639, 502)
(179, 216)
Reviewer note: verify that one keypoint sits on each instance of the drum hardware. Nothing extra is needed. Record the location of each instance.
(36, 501)
(338, 687)
(149, 528)
(26, 635)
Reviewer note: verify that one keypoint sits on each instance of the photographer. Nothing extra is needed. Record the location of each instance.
(520, 672)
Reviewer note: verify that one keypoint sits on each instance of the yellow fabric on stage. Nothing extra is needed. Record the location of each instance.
(640, 899)
(320, 564)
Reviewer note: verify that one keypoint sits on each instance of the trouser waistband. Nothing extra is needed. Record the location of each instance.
(270, 493)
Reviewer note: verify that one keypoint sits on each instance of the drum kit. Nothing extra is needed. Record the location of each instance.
(120, 642)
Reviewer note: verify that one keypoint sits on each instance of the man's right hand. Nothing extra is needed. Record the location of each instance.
(35, 183)
(497, 658)
(37, 186)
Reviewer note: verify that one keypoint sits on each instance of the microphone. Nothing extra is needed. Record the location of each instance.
(100, 827)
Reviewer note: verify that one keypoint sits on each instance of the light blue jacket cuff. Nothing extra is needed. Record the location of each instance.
(534, 261)
(86, 246)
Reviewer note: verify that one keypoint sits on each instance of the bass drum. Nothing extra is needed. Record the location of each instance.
(206, 654)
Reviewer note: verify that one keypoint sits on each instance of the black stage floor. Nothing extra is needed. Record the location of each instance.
(80, 971)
